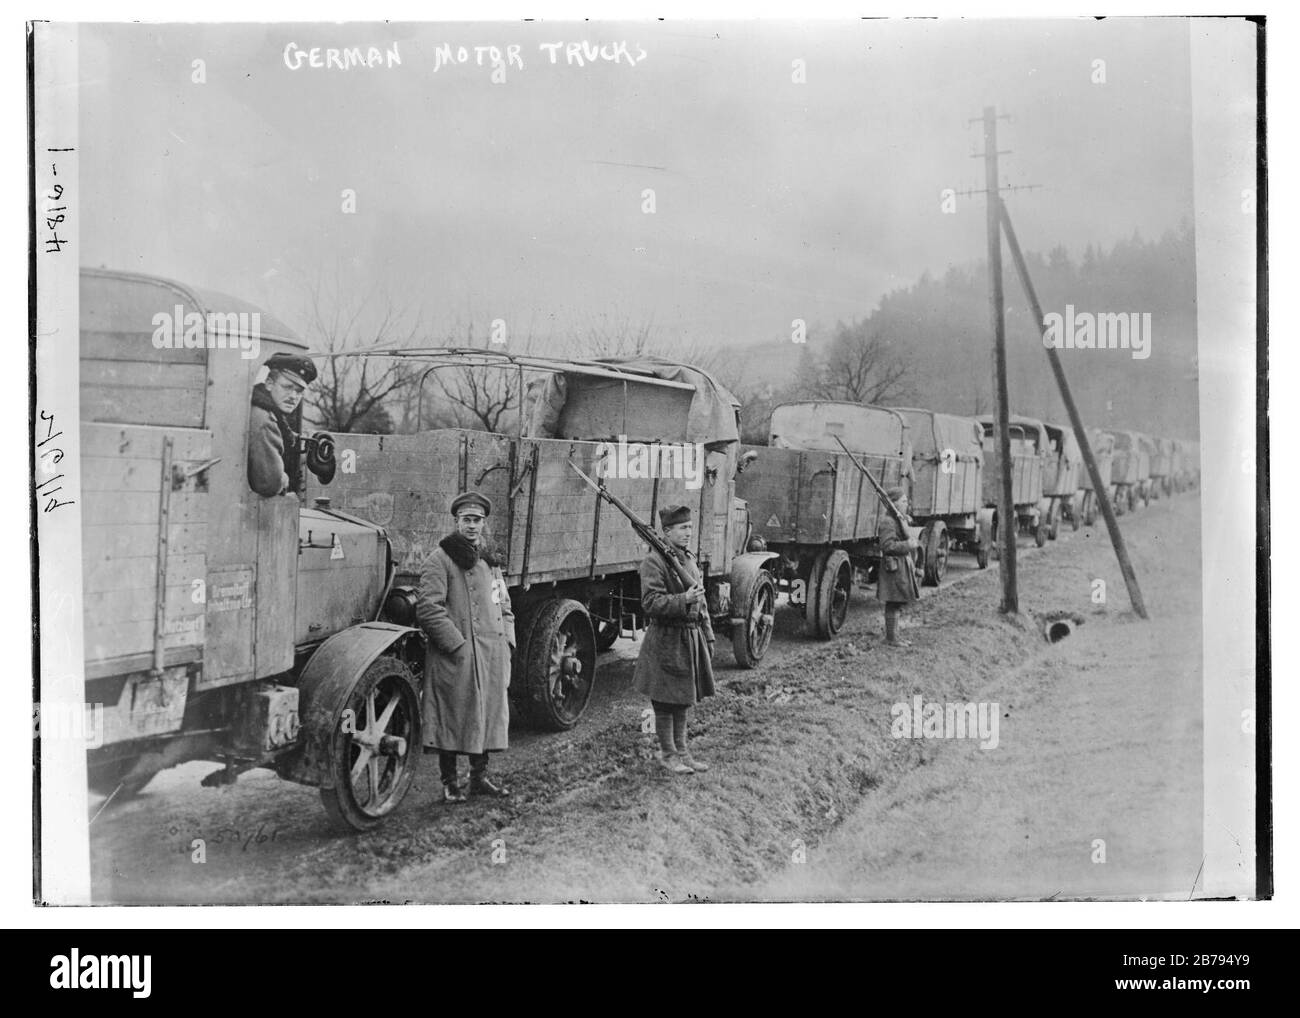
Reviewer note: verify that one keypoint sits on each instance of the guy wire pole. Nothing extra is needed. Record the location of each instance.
(1006, 509)
(1098, 485)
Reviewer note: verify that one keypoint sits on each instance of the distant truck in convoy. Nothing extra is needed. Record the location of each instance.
(1030, 455)
(812, 508)
(947, 489)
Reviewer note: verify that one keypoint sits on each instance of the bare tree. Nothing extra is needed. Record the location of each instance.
(478, 397)
(350, 392)
(860, 366)
(613, 336)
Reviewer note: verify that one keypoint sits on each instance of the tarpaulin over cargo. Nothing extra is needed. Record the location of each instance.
(947, 463)
(816, 424)
(932, 433)
(713, 409)
(607, 404)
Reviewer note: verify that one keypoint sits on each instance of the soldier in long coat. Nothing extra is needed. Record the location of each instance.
(896, 575)
(464, 610)
(675, 666)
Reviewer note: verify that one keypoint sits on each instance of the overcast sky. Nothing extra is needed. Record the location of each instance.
(523, 200)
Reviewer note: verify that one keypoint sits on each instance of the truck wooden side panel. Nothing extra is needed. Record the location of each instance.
(123, 484)
(939, 492)
(548, 522)
(802, 497)
(1026, 472)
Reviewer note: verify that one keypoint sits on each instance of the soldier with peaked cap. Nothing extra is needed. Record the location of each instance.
(273, 462)
(464, 609)
(675, 666)
(896, 574)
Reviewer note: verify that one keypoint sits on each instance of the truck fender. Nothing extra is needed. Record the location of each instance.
(323, 689)
(745, 569)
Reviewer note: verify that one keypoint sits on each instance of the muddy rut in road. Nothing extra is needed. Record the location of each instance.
(798, 746)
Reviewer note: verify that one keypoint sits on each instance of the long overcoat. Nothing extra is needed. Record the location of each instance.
(676, 660)
(896, 576)
(466, 615)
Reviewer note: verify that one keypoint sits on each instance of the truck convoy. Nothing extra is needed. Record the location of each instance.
(279, 631)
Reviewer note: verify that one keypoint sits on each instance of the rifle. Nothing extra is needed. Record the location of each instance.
(893, 509)
(644, 530)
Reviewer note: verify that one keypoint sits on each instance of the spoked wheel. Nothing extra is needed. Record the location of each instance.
(1076, 513)
(559, 665)
(1054, 527)
(751, 636)
(375, 746)
(834, 587)
(1089, 509)
(1040, 534)
(937, 544)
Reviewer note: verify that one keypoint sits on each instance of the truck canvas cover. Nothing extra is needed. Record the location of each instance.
(642, 399)
(815, 425)
(936, 490)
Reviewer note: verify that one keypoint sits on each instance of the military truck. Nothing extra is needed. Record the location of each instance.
(1062, 491)
(1130, 470)
(1103, 451)
(811, 505)
(1030, 455)
(278, 632)
(947, 489)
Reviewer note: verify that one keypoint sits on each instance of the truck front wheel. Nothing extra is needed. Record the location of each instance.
(374, 747)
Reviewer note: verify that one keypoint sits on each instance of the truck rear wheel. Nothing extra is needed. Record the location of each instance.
(558, 659)
(751, 635)
(829, 605)
(937, 543)
(374, 749)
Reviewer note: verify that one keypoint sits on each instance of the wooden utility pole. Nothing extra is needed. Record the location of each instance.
(1099, 484)
(1006, 509)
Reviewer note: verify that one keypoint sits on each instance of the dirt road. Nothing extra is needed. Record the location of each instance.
(810, 796)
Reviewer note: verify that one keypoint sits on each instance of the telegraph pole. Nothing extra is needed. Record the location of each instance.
(1006, 509)
(1099, 483)
(999, 221)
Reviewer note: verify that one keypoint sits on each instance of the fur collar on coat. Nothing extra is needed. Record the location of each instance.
(465, 553)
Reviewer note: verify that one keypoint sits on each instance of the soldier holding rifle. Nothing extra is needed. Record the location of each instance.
(896, 583)
(675, 666)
